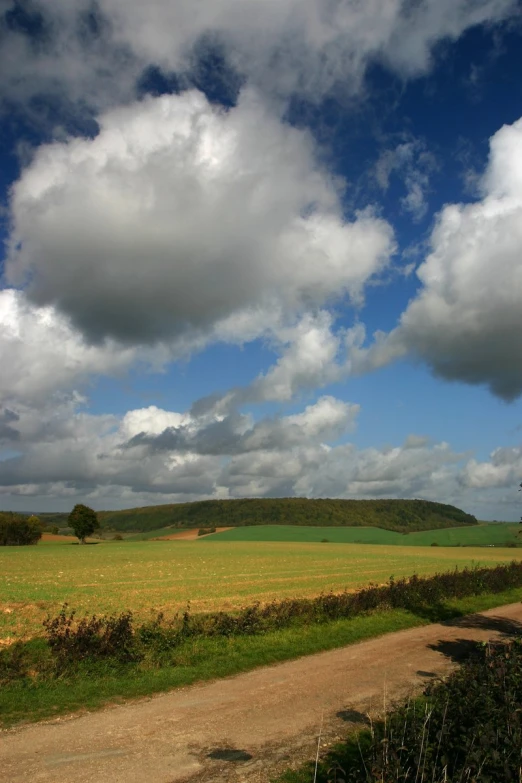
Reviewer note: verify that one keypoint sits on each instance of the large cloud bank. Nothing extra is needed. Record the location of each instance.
(155, 455)
(180, 224)
(94, 53)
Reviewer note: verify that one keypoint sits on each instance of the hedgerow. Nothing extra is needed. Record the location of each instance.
(70, 639)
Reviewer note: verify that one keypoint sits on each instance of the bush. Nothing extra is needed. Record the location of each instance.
(93, 637)
(17, 530)
(468, 728)
(205, 531)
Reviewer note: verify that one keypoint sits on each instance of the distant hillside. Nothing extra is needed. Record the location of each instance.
(402, 516)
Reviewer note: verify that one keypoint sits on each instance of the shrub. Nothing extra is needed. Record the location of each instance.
(93, 637)
(17, 530)
(468, 728)
(205, 531)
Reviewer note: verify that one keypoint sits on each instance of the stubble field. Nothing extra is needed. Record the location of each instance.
(165, 575)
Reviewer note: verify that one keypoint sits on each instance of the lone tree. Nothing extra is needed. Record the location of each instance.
(83, 521)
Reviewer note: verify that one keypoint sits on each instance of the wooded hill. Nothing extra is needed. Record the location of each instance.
(403, 516)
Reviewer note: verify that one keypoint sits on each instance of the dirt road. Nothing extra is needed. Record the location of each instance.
(243, 728)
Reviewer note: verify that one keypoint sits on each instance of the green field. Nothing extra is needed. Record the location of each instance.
(479, 535)
(211, 574)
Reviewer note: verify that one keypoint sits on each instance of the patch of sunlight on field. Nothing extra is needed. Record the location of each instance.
(145, 576)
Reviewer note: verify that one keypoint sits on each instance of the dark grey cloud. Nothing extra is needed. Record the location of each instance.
(7, 432)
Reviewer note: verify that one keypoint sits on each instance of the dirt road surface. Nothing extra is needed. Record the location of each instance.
(248, 727)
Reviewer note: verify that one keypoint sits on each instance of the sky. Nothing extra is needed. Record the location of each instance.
(258, 248)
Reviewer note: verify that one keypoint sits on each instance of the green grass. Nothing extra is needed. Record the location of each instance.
(335, 535)
(205, 659)
(211, 574)
(480, 535)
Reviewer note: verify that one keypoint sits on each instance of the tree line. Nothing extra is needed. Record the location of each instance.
(21, 530)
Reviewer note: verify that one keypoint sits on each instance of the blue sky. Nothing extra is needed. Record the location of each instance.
(265, 250)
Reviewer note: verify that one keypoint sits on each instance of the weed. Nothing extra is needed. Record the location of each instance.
(468, 728)
(91, 637)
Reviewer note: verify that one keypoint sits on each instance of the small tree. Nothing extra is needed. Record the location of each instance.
(83, 521)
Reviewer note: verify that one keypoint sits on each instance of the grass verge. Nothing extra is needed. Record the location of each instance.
(92, 685)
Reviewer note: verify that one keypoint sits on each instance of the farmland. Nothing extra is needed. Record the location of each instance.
(478, 535)
(211, 574)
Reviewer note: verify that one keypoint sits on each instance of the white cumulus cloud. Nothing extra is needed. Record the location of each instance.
(504, 469)
(466, 320)
(41, 354)
(179, 216)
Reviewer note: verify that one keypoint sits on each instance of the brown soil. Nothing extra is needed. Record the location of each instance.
(186, 535)
(249, 727)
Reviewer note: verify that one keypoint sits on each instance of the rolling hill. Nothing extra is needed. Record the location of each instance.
(402, 516)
